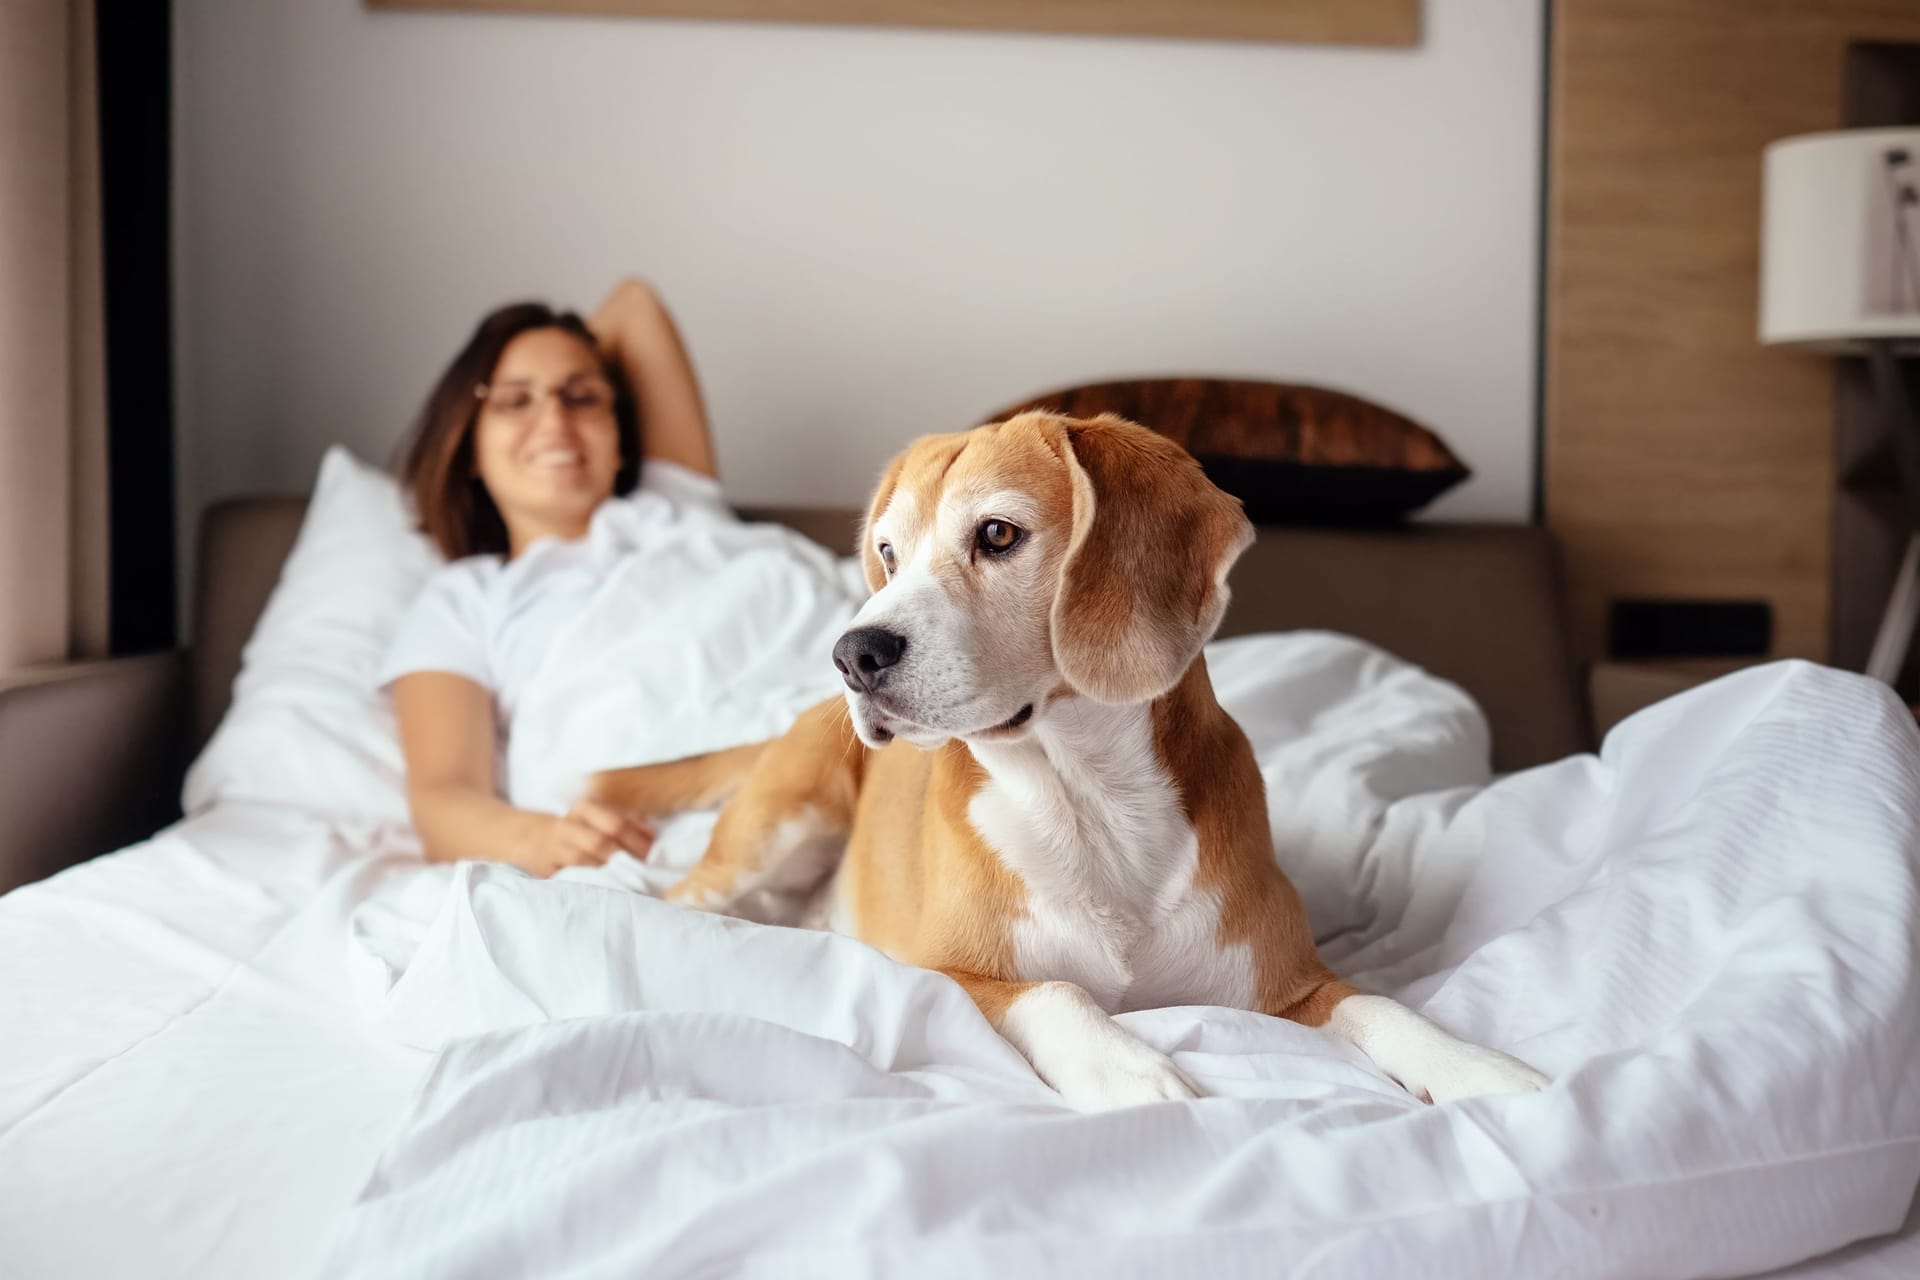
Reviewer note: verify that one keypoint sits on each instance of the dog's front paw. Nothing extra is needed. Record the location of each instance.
(1428, 1062)
(1471, 1071)
(1128, 1079)
(692, 892)
(1089, 1059)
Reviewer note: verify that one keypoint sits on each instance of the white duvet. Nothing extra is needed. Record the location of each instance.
(1707, 935)
(273, 1042)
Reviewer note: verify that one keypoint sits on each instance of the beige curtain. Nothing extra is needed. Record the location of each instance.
(87, 583)
(52, 421)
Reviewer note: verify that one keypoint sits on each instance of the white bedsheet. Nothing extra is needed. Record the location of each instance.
(269, 1044)
(1707, 934)
(185, 1086)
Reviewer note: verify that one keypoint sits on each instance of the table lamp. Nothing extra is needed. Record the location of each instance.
(1840, 274)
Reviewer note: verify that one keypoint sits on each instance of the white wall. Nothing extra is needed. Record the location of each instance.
(866, 234)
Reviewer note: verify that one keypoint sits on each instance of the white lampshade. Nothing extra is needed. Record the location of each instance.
(1840, 239)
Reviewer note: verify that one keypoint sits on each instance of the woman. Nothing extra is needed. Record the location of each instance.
(539, 420)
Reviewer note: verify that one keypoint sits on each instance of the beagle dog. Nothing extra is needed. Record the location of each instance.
(1029, 785)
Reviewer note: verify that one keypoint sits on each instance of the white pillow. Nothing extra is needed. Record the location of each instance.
(307, 727)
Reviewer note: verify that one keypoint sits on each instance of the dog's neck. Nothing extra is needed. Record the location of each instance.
(1088, 746)
(1083, 807)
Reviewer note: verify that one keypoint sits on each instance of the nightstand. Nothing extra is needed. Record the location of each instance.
(1615, 690)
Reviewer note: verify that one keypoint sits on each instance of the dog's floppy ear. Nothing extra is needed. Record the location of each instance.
(882, 494)
(1144, 584)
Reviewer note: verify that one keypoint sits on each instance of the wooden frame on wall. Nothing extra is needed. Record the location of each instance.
(1360, 22)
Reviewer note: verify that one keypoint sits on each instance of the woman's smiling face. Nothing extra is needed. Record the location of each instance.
(547, 443)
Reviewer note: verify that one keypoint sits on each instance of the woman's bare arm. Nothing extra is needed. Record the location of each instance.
(635, 328)
(447, 736)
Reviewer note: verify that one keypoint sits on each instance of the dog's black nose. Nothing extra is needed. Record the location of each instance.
(863, 654)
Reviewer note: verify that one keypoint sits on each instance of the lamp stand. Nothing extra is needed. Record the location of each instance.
(1895, 637)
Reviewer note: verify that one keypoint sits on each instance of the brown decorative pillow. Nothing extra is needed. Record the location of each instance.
(1291, 454)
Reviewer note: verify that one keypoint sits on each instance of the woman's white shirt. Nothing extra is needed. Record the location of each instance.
(670, 629)
(493, 620)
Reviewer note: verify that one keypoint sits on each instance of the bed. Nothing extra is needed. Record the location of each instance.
(271, 1041)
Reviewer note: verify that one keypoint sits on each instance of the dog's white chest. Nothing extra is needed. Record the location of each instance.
(1095, 829)
(1125, 965)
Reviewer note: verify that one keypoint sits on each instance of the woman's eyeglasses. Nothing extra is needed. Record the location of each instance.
(521, 400)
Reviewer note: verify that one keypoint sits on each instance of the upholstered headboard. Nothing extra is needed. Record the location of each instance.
(1475, 604)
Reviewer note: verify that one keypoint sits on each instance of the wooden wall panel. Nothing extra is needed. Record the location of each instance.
(1683, 459)
(1376, 22)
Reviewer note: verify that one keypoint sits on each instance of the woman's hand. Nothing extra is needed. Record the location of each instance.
(630, 300)
(585, 836)
(448, 737)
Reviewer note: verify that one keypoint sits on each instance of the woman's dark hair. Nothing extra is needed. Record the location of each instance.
(436, 465)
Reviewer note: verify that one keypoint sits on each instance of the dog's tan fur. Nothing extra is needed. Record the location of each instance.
(1138, 543)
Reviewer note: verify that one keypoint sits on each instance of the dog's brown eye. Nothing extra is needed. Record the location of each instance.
(886, 557)
(997, 537)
